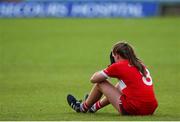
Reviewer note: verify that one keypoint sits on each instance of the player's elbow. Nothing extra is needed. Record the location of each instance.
(93, 80)
(97, 78)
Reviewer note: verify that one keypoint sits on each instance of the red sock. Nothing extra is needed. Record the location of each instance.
(98, 105)
(84, 107)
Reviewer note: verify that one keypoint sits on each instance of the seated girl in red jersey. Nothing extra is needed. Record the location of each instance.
(132, 95)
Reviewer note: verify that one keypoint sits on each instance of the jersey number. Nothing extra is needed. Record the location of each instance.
(147, 80)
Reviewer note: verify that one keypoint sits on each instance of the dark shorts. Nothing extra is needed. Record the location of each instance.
(123, 111)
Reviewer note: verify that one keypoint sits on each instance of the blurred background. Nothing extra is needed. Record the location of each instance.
(88, 8)
(50, 48)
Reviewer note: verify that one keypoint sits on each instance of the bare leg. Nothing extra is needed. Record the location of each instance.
(111, 93)
(104, 101)
(94, 96)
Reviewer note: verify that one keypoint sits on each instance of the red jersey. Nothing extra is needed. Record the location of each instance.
(133, 85)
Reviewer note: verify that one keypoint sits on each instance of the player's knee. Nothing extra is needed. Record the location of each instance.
(100, 85)
(97, 85)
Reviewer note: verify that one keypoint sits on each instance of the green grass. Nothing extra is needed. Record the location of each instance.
(42, 60)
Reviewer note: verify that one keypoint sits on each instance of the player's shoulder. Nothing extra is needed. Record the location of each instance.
(120, 64)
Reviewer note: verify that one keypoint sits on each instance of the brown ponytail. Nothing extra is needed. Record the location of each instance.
(127, 52)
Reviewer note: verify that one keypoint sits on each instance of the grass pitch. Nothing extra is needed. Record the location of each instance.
(42, 60)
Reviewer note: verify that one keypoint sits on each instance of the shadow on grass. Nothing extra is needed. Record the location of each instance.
(94, 116)
(117, 117)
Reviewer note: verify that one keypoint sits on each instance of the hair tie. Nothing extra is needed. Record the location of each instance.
(125, 44)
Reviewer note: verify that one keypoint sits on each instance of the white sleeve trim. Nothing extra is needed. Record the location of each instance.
(104, 74)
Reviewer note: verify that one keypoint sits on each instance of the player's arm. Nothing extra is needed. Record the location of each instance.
(98, 77)
(101, 75)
